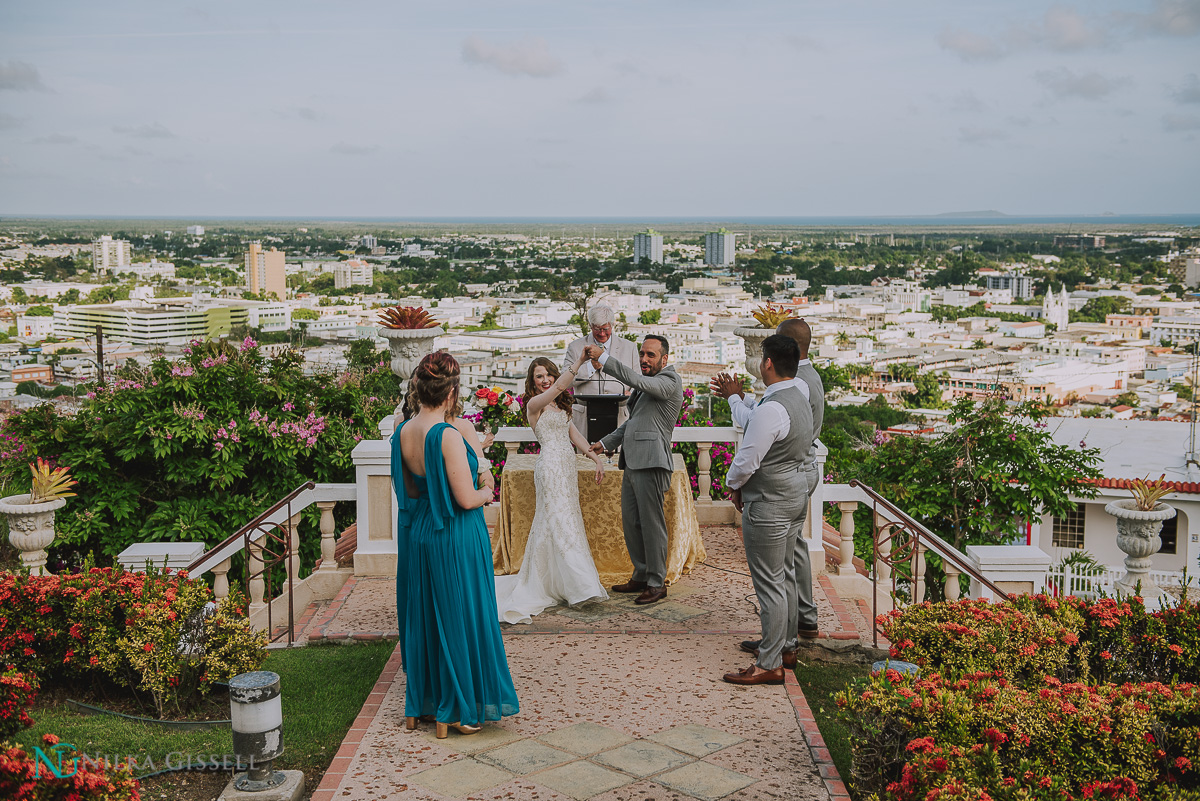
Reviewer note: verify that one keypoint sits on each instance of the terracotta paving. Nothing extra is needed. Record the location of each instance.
(618, 703)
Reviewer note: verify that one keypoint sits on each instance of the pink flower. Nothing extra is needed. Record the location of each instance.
(288, 406)
(248, 344)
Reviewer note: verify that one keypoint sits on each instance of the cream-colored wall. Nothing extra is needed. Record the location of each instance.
(1100, 537)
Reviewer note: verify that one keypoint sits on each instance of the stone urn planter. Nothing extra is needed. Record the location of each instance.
(31, 528)
(408, 347)
(1137, 535)
(753, 336)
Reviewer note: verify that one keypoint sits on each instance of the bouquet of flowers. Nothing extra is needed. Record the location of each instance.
(495, 406)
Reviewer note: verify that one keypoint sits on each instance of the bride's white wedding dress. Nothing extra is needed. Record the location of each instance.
(558, 563)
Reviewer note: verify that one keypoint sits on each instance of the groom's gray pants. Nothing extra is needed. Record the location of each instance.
(769, 533)
(645, 522)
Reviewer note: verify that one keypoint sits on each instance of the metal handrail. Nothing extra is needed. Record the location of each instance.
(226, 549)
(942, 548)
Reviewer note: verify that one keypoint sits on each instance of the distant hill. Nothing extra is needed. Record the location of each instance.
(974, 215)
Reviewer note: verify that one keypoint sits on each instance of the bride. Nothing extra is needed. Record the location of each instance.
(558, 563)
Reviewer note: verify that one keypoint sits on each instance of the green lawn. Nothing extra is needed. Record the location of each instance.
(324, 687)
(821, 681)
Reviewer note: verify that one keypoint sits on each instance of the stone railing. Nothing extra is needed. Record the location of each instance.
(271, 544)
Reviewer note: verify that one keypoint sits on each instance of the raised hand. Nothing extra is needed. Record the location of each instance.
(593, 352)
(725, 385)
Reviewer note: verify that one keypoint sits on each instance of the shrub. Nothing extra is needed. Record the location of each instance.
(17, 692)
(157, 634)
(23, 779)
(193, 449)
(982, 731)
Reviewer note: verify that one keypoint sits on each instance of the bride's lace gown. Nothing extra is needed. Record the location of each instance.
(558, 564)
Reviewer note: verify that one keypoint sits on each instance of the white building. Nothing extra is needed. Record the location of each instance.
(195, 230)
(719, 249)
(110, 255)
(34, 326)
(367, 241)
(648, 245)
(353, 272)
(1021, 286)
(151, 269)
(1056, 310)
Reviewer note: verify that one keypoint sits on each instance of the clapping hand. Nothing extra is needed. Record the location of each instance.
(725, 385)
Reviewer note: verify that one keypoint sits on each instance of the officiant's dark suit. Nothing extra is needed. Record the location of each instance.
(645, 442)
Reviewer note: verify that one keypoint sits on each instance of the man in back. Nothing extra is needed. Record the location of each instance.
(808, 381)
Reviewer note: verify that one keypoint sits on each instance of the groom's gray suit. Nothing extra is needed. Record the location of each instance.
(645, 440)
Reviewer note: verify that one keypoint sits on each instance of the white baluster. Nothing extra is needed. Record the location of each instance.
(704, 471)
(254, 567)
(328, 546)
(952, 587)
(918, 573)
(292, 531)
(221, 579)
(846, 568)
(883, 568)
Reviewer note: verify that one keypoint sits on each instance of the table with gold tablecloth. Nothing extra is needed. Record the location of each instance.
(601, 506)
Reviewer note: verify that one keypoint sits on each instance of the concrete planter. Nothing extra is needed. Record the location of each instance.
(31, 528)
(409, 346)
(753, 337)
(1138, 536)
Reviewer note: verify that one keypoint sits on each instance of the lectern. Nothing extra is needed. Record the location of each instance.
(602, 411)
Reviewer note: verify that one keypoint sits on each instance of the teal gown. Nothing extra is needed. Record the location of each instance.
(450, 642)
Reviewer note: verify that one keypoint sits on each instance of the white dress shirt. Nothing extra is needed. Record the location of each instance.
(768, 424)
(742, 409)
(586, 370)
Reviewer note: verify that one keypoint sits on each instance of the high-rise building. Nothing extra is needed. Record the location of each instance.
(719, 248)
(110, 255)
(265, 272)
(352, 272)
(367, 241)
(195, 230)
(648, 246)
(1021, 285)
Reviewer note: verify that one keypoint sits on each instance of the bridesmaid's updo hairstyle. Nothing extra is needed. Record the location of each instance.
(436, 376)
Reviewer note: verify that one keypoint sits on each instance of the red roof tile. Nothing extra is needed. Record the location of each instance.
(1186, 487)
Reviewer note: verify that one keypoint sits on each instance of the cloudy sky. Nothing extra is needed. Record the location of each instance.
(601, 107)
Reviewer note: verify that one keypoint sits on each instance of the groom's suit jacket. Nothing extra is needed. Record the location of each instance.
(645, 438)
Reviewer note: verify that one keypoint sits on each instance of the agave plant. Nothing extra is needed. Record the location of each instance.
(49, 484)
(1147, 493)
(770, 316)
(406, 317)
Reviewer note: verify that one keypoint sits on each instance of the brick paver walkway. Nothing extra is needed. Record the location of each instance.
(618, 702)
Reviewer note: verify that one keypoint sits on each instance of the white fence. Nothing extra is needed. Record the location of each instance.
(1090, 583)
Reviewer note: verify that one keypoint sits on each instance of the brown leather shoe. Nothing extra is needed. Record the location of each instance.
(808, 634)
(751, 647)
(748, 676)
(630, 586)
(651, 595)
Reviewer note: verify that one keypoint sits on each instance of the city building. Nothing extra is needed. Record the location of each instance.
(172, 321)
(352, 272)
(1021, 286)
(719, 248)
(266, 273)
(110, 255)
(195, 230)
(35, 327)
(1185, 268)
(1056, 309)
(151, 269)
(368, 241)
(648, 245)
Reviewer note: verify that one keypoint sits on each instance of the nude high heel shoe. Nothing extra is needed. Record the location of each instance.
(443, 729)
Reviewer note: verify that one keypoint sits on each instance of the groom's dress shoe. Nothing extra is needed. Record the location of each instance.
(748, 676)
(751, 647)
(630, 586)
(651, 595)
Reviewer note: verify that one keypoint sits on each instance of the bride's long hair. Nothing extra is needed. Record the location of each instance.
(564, 399)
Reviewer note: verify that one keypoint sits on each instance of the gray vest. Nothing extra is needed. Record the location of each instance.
(816, 401)
(779, 477)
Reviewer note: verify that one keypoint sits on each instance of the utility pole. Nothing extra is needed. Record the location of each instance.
(100, 353)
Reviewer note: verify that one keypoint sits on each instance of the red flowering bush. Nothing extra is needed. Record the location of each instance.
(159, 635)
(17, 692)
(980, 731)
(721, 455)
(22, 778)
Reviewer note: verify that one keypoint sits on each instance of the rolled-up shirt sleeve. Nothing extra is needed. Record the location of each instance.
(768, 423)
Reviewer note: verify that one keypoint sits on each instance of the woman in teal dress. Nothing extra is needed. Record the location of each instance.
(454, 660)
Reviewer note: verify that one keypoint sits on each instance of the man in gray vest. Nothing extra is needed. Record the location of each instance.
(809, 382)
(770, 486)
(645, 440)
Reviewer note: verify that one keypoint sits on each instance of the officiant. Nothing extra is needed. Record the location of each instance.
(601, 319)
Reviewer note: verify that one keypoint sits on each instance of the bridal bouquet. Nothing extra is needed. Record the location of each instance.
(496, 406)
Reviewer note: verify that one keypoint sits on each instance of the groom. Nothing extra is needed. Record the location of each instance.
(645, 440)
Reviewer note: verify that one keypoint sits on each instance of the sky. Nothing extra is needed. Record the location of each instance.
(528, 108)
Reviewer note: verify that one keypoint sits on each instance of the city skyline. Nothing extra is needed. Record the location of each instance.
(609, 109)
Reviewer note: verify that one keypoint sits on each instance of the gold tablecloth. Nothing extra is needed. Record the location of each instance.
(601, 505)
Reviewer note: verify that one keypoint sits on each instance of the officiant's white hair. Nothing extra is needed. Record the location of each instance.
(601, 314)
